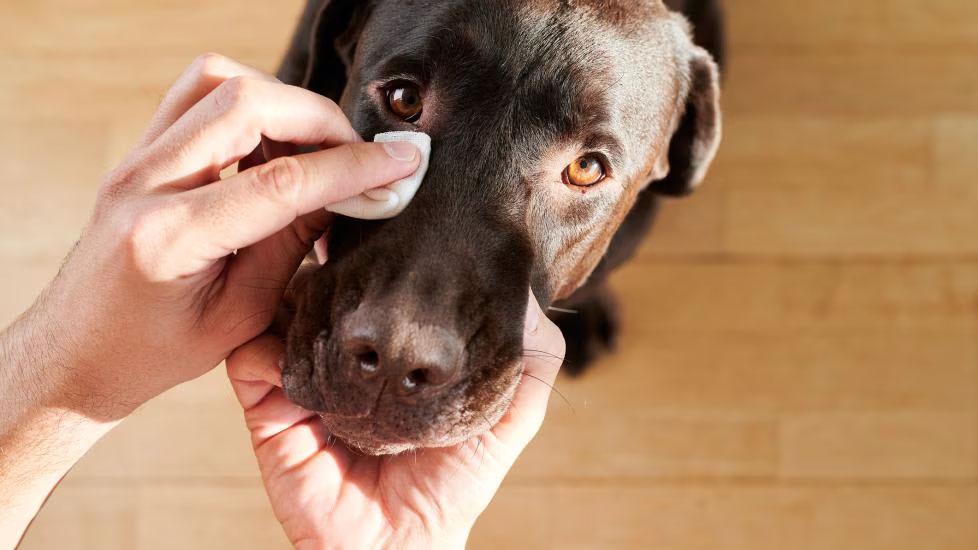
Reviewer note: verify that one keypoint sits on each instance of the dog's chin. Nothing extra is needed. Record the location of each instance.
(362, 436)
(378, 434)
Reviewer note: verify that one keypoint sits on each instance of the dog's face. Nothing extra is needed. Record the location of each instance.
(548, 118)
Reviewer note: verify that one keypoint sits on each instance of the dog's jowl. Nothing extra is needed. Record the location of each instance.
(556, 126)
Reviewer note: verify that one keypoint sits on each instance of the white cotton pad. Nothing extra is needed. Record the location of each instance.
(386, 202)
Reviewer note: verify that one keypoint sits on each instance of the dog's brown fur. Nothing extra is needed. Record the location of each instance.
(514, 91)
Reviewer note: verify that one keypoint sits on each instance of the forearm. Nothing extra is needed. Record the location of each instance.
(43, 433)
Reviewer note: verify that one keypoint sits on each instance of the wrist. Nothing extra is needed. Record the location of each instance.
(44, 368)
(23, 387)
(41, 435)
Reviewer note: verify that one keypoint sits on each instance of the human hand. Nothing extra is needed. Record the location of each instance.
(154, 293)
(327, 496)
(176, 267)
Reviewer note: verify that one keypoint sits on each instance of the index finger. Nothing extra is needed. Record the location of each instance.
(230, 122)
(202, 77)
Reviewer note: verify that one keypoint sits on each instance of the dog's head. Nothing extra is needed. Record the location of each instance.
(548, 118)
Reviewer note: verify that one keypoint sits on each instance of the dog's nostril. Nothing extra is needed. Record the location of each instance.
(369, 361)
(373, 356)
(415, 379)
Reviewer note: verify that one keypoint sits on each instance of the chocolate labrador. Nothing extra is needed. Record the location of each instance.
(556, 127)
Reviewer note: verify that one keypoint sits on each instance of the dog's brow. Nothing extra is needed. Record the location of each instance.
(405, 65)
(607, 143)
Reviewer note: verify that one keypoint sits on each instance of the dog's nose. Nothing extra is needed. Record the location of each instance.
(415, 360)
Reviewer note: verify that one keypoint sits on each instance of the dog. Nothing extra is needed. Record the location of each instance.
(557, 126)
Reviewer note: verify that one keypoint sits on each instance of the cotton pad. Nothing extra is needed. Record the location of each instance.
(386, 202)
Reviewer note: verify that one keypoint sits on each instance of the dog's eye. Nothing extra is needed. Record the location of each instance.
(405, 101)
(586, 171)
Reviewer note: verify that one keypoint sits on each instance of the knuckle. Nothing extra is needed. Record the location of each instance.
(280, 179)
(303, 235)
(333, 108)
(120, 182)
(141, 242)
(355, 158)
(307, 230)
(147, 237)
(238, 92)
(112, 187)
(208, 64)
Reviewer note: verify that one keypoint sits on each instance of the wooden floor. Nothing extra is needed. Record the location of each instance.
(800, 363)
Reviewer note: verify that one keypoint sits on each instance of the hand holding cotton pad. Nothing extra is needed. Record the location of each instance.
(387, 202)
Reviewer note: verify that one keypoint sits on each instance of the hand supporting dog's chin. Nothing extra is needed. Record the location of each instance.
(380, 424)
(394, 368)
(370, 437)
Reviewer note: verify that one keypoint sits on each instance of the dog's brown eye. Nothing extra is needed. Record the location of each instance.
(405, 101)
(585, 171)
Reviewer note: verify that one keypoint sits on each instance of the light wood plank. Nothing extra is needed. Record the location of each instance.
(904, 24)
(758, 517)
(598, 441)
(208, 517)
(871, 445)
(146, 516)
(810, 188)
(845, 296)
(87, 518)
(852, 82)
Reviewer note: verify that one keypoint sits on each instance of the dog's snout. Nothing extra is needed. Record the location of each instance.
(414, 360)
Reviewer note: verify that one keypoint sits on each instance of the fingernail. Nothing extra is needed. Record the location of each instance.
(532, 316)
(401, 150)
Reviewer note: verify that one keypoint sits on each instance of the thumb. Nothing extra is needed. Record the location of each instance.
(254, 205)
(266, 269)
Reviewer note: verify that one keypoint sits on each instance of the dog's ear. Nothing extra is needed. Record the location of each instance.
(697, 136)
(323, 46)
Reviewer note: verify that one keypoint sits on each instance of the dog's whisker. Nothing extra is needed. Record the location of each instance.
(488, 424)
(540, 354)
(478, 445)
(562, 310)
(552, 357)
(502, 395)
(553, 389)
